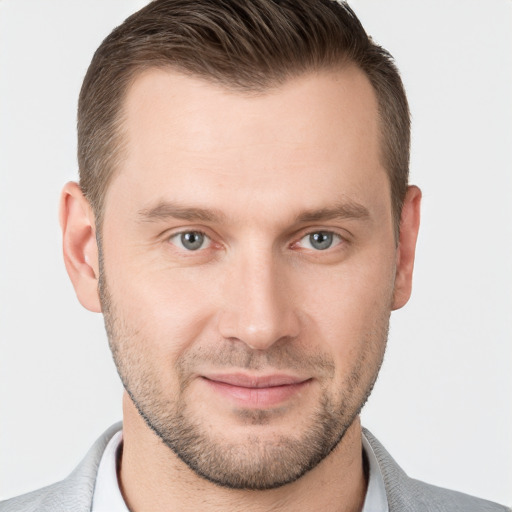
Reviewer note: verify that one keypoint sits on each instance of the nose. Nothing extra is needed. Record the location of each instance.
(258, 302)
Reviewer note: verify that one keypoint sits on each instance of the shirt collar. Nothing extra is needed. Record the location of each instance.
(107, 495)
(376, 500)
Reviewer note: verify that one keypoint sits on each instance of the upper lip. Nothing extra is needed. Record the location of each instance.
(255, 381)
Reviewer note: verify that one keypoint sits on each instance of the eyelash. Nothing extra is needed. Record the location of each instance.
(180, 234)
(336, 240)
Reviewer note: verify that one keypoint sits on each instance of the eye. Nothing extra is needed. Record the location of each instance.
(190, 240)
(320, 240)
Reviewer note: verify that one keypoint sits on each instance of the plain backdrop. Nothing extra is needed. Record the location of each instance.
(442, 405)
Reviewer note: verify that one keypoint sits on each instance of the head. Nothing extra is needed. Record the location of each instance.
(250, 47)
(243, 222)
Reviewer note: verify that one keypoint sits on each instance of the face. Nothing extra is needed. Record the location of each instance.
(249, 268)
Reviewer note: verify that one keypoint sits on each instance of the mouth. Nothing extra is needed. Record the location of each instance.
(256, 391)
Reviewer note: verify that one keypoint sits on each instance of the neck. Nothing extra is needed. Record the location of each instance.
(152, 478)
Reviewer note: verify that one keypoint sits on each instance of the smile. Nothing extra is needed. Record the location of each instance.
(259, 392)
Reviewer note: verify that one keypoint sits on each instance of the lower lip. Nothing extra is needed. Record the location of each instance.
(258, 398)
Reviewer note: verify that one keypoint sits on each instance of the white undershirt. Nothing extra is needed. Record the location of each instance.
(376, 500)
(107, 495)
(108, 498)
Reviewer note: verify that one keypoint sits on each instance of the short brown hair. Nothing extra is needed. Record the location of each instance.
(242, 45)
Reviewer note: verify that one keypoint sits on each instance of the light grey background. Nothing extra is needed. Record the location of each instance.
(442, 405)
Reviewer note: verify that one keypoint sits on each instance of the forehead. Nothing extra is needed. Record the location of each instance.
(306, 110)
(314, 136)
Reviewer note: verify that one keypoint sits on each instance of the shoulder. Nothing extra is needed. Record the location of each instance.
(47, 498)
(429, 497)
(408, 494)
(73, 494)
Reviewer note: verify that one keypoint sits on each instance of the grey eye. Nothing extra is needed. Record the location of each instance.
(190, 240)
(321, 240)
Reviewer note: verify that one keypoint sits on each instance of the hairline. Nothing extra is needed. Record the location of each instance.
(119, 140)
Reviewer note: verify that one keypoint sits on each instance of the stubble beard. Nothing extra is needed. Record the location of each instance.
(255, 463)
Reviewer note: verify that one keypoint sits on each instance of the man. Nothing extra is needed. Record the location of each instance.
(244, 223)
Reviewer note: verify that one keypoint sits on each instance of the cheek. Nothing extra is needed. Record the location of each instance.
(349, 312)
(166, 308)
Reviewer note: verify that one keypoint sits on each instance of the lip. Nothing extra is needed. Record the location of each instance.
(256, 391)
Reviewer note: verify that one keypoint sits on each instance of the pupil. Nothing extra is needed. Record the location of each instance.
(320, 240)
(192, 240)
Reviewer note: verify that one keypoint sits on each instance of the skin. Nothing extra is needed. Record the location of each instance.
(257, 299)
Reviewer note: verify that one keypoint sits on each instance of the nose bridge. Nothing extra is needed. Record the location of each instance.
(258, 308)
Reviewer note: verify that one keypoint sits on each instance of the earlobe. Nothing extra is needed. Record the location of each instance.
(79, 245)
(409, 226)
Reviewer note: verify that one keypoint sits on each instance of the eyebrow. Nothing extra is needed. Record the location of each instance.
(342, 211)
(166, 210)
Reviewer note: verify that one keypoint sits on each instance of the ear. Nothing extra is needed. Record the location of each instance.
(409, 226)
(79, 245)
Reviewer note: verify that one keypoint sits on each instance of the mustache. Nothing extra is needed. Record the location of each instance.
(235, 354)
